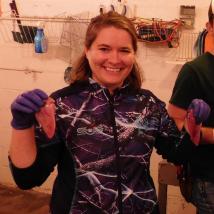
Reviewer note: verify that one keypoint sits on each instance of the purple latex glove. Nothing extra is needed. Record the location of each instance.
(25, 106)
(197, 113)
(200, 109)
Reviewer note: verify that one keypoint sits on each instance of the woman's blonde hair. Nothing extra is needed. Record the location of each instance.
(82, 71)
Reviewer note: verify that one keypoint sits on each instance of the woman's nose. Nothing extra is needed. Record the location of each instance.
(114, 57)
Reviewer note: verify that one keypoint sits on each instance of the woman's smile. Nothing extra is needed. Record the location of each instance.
(114, 70)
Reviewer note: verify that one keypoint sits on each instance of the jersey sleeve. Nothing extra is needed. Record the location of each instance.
(173, 145)
(48, 153)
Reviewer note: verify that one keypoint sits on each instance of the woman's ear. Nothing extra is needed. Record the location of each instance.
(209, 27)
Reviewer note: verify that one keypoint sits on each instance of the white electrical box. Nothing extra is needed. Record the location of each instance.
(187, 15)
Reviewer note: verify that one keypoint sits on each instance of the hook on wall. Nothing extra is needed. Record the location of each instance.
(120, 8)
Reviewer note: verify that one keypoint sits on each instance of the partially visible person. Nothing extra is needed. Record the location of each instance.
(106, 128)
(209, 39)
(196, 81)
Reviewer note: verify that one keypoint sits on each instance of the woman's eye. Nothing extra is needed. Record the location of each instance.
(103, 49)
(126, 50)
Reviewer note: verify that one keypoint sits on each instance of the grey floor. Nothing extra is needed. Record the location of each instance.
(16, 201)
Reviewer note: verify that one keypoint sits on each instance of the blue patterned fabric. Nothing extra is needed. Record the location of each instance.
(86, 121)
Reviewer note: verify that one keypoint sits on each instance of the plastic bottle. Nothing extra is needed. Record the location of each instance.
(40, 41)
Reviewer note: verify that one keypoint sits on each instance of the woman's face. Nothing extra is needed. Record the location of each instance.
(111, 57)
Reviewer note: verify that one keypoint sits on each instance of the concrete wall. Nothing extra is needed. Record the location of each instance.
(17, 61)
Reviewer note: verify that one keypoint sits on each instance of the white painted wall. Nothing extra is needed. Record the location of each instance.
(159, 75)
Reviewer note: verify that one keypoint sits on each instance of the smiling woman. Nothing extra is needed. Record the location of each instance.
(106, 129)
(109, 43)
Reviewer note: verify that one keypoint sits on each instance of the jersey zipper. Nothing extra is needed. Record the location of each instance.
(117, 152)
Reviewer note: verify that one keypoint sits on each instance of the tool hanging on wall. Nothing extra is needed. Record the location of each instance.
(68, 70)
(119, 7)
(26, 33)
(67, 73)
(102, 9)
(16, 34)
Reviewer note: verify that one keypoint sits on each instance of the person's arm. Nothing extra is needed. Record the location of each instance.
(30, 161)
(173, 145)
(22, 149)
(27, 172)
(179, 115)
(177, 146)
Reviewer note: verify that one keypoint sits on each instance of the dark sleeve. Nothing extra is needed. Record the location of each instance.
(185, 88)
(173, 145)
(175, 150)
(48, 153)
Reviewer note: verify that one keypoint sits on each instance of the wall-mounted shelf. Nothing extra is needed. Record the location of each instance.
(58, 29)
(61, 31)
(64, 34)
(186, 49)
(69, 32)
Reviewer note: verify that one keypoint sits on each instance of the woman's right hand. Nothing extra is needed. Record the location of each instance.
(25, 106)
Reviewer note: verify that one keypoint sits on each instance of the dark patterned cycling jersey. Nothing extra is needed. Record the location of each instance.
(86, 121)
